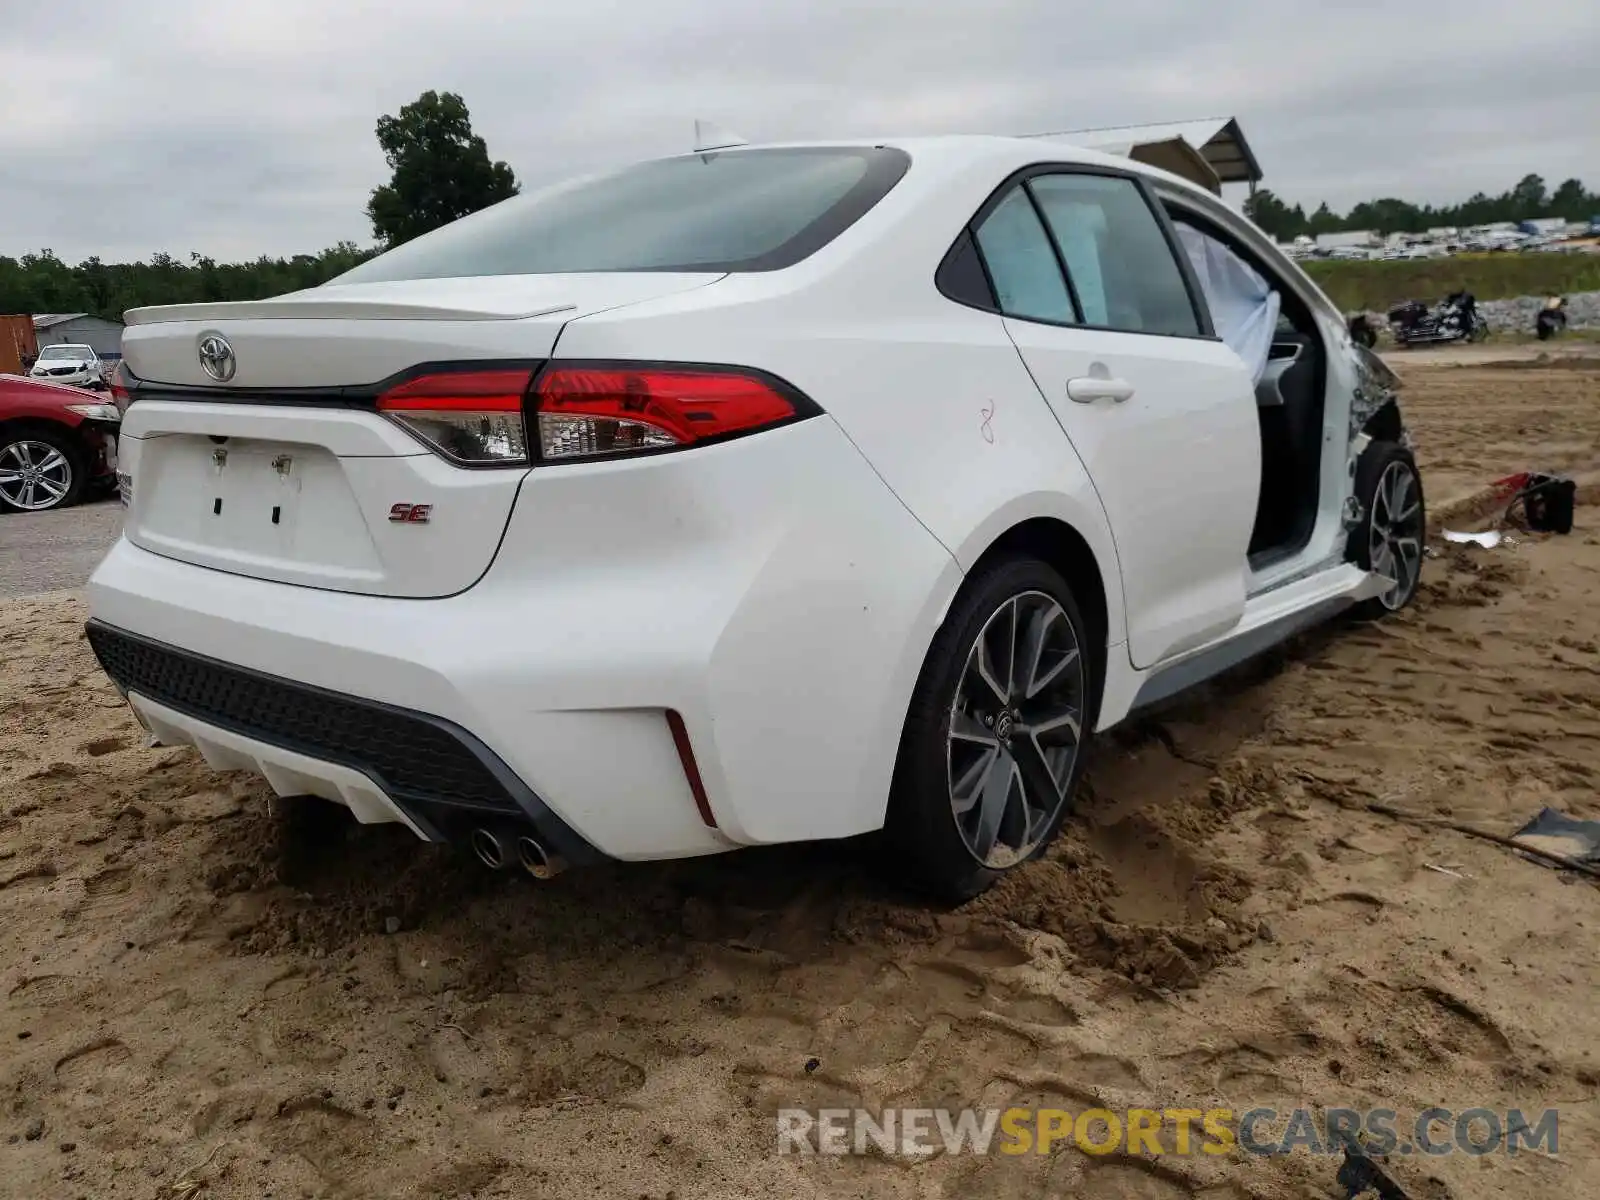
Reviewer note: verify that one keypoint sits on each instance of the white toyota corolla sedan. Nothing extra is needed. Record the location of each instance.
(778, 493)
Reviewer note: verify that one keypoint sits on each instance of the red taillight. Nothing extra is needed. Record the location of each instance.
(121, 395)
(585, 410)
(588, 411)
(499, 391)
(473, 417)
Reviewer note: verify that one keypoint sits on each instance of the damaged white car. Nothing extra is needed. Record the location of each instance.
(768, 494)
(71, 364)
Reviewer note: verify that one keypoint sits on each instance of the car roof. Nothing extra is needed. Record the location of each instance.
(964, 150)
(1001, 156)
(949, 156)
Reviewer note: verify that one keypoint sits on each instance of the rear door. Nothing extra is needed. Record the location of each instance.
(1162, 415)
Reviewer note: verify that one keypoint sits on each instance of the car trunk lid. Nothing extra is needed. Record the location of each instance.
(284, 470)
(360, 334)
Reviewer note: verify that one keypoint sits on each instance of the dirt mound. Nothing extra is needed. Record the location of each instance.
(193, 987)
(1546, 362)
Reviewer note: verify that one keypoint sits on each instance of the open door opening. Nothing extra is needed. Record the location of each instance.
(1273, 331)
(1289, 403)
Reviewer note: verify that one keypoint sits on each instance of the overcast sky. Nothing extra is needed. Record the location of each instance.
(246, 127)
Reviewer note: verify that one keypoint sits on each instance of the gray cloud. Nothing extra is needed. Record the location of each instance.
(247, 128)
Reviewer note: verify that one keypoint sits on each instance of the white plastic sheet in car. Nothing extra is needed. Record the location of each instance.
(1080, 228)
(1244, 308)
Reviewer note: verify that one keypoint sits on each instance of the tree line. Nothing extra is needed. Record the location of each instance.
(42, 283)
(441, 170)
(1528, 200)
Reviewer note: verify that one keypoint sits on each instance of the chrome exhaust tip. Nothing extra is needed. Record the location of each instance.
(536, 862)
(487, 845)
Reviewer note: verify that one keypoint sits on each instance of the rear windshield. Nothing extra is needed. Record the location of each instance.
(739, 210)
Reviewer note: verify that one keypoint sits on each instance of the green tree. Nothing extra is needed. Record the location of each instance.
(1571, 201)
(1388, 215)
(442, 170)
(1529, 197)
(1324, 220)
(1478, 209)
(39, 283)
(1274, 216)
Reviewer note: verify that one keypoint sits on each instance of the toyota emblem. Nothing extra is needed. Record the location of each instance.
(216, 357)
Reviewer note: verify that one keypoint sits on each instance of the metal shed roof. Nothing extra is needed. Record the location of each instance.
(1219, 140)
(46, 320)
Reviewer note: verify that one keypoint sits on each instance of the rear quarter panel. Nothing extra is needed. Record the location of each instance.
(941, 409)
(933, 394)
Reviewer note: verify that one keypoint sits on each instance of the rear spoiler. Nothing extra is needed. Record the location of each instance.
(325, 307)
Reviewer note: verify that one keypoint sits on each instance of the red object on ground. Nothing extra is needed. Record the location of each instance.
(1511, 484)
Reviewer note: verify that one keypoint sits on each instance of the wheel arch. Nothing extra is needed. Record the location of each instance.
(1060, 545)
(1385, 424)
(1381, 455)
(24, 421)
(925, 840)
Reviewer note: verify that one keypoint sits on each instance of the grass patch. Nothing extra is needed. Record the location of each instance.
(1378, 286)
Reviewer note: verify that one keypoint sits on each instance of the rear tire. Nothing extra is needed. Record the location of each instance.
(997, 733)
(1393, 529)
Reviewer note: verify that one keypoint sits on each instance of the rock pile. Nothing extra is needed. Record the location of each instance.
(1517, 316)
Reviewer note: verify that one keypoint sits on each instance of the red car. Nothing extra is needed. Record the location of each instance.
(56, 444)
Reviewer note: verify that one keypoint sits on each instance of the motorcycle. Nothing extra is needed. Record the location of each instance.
(1454, 319)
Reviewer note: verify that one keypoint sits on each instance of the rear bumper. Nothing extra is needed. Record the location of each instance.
(291, 774)
(386, 764)
(776, 596)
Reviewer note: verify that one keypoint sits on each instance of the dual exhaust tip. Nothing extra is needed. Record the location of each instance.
(499, 850)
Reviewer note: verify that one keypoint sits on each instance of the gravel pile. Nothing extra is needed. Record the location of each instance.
(1583, 312)
(1517, 315)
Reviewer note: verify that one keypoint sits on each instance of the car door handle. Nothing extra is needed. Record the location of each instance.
(1091, 388)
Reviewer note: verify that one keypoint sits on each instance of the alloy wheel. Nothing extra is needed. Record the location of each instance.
(1395, 533)
(33, 475)
(1015, 729)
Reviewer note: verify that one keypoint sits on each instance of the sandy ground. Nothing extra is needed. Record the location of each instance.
(1481, 418)
(195, 994)
(1498, 350)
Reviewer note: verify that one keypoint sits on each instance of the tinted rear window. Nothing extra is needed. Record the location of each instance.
(740, 210)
